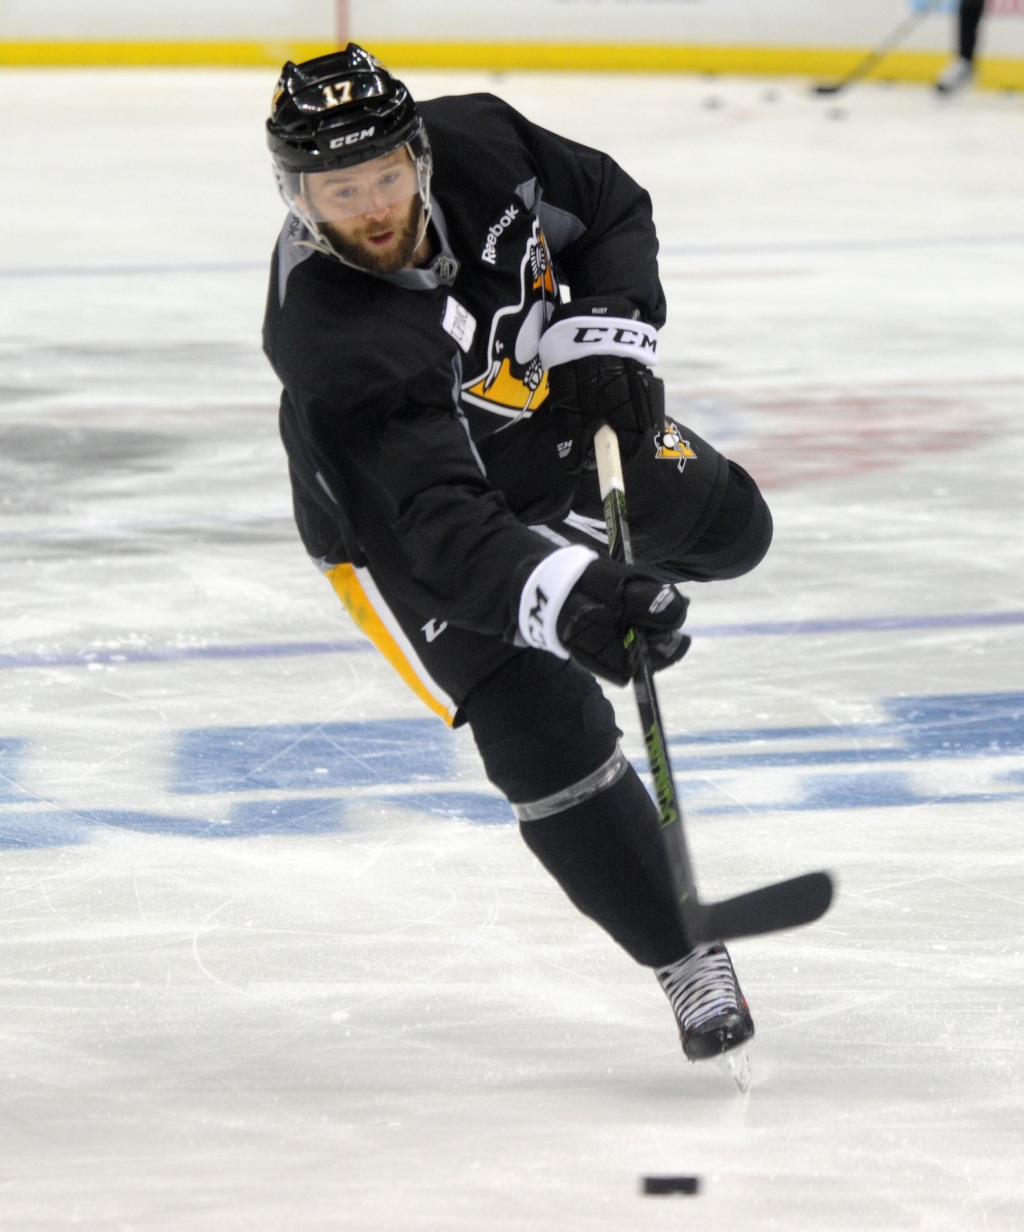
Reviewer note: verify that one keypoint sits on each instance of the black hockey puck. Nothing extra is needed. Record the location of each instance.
(662, 1185)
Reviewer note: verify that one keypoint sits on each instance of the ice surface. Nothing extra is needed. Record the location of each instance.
(273, 956)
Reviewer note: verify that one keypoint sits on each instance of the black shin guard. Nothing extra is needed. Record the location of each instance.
(547, 734)
(608, 856)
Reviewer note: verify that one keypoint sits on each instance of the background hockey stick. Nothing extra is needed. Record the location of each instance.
(873, 58)
(783, 905)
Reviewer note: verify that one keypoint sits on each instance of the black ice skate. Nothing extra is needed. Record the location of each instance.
(710, 1008)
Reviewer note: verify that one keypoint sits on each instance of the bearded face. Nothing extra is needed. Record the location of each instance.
(380, 245)
(371, 213)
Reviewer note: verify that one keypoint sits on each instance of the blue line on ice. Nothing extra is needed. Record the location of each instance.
(129, 271)
(667, 250)
(167, 654)
(271, 650)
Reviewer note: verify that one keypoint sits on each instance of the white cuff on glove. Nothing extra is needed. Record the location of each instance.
(544, 593)
(576, 337)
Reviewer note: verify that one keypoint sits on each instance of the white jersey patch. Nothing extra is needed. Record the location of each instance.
(459, 322)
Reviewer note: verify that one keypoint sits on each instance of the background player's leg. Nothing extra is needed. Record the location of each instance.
(970, 19)
(959, 72)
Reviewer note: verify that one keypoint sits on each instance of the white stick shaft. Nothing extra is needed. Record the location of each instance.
(609, 463)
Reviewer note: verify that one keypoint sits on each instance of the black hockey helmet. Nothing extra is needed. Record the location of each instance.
(338, 110)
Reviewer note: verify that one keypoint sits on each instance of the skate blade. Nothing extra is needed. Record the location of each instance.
(735, 1064)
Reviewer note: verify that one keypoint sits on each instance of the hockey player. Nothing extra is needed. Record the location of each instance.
(441, 393)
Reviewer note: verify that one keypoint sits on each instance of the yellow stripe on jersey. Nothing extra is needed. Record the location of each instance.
(391, 642)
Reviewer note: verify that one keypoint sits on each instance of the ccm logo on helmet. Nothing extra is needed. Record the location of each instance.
(352, 138)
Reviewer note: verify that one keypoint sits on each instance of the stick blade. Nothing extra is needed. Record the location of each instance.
(828, 89)
(786, 904)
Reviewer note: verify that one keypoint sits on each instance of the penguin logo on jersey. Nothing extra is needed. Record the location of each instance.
(514, 382)
(669, 444)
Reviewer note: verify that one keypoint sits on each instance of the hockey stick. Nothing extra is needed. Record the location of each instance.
(873, 58)
(783, 905)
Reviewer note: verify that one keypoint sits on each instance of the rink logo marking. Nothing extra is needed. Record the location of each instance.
(917, 733)
(296, 757)
(306, 779)
(918, 729)
(11, 753)
(246, 818)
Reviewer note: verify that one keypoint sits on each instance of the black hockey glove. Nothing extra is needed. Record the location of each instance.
(607, 602)
(598, 355)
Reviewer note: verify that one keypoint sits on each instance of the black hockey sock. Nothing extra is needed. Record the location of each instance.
(608, 856)
(970, 19)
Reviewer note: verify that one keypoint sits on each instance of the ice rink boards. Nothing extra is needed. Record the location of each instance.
(272, 954)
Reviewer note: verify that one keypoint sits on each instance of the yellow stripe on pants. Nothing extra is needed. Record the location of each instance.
(349, 590)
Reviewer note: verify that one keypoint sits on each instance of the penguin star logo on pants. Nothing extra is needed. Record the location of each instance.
(669, 444)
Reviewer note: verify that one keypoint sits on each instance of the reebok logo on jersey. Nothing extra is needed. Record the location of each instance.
(490, 252)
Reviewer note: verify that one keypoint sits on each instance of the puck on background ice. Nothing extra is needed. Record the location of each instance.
(661, 1185)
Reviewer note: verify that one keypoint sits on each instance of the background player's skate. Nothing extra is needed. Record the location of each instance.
(875, 57)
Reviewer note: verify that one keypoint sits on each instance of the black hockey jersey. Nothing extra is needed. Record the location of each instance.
(413, 403)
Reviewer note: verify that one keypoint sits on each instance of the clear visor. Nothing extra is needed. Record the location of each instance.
(367, 188)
